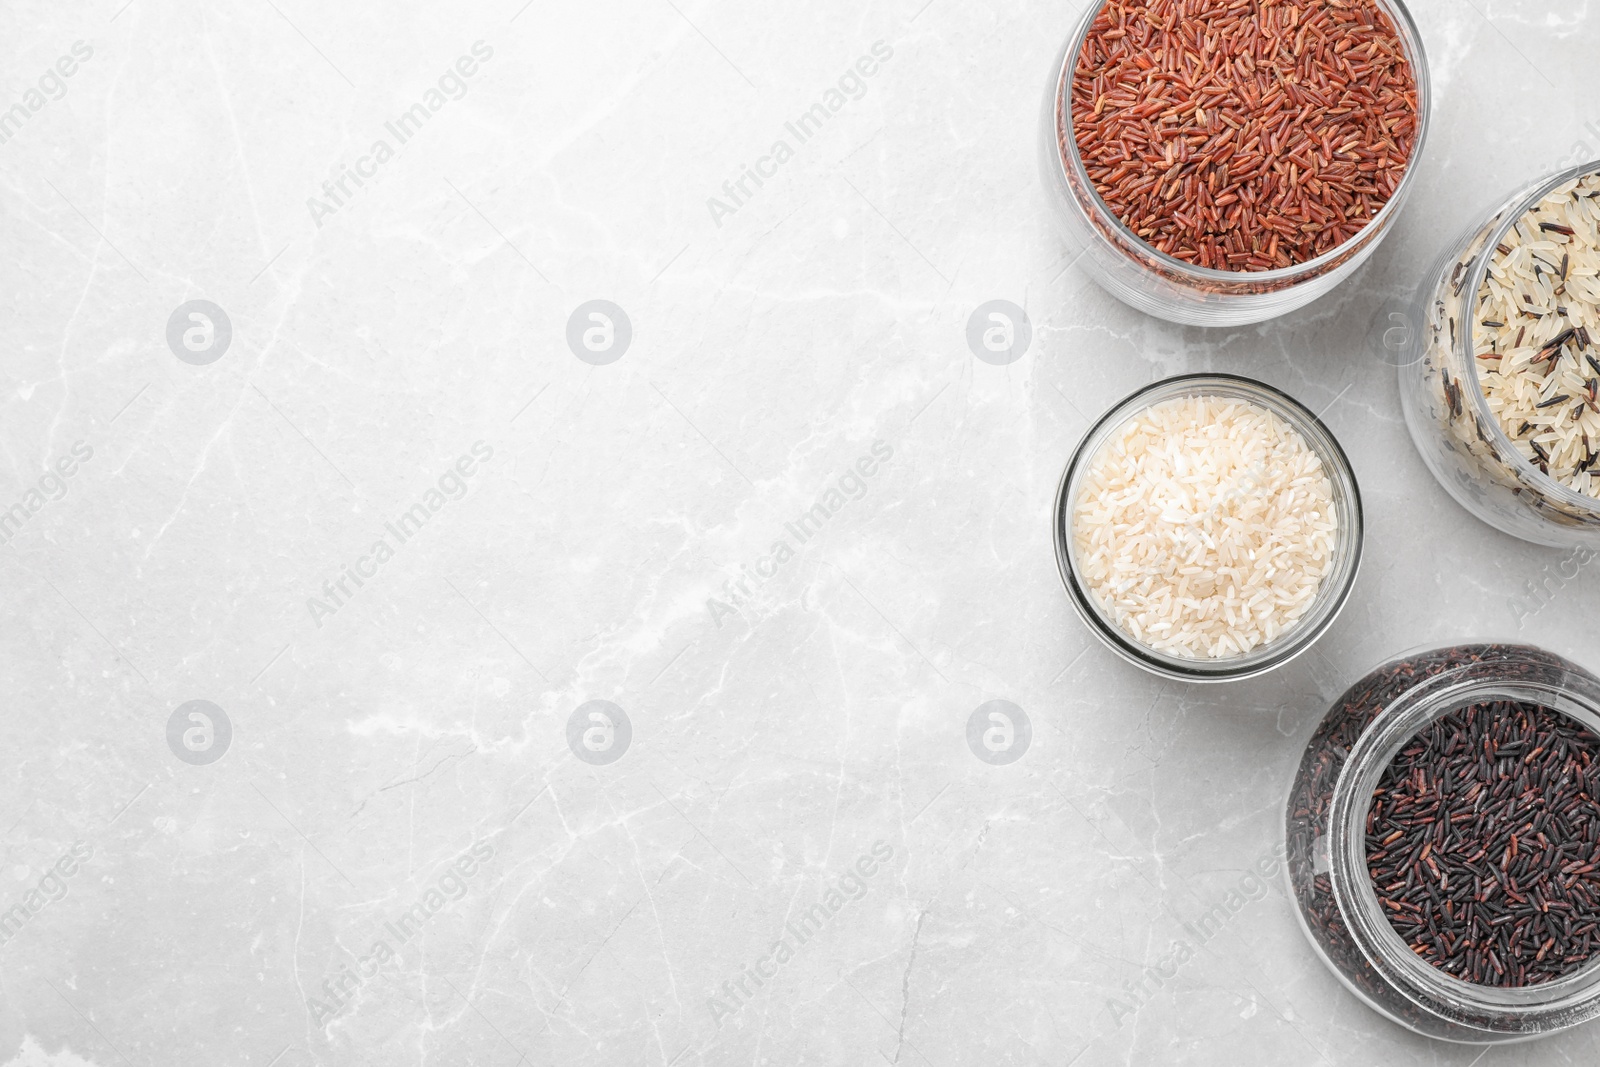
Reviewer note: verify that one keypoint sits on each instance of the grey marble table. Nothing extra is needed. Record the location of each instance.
(336, 504)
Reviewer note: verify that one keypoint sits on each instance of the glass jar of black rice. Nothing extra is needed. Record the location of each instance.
(1443, 842)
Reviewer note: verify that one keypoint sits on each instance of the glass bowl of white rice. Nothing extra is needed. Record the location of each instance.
(1208, 528)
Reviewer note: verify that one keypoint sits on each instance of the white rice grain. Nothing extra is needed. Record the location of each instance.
(1204, 527)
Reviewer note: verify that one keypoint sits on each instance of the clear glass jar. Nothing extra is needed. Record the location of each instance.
(1161, 285)
(1325, 827)
(1336, 585)
(1459, 438)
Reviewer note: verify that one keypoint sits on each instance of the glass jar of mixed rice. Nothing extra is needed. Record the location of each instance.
(1501, 384)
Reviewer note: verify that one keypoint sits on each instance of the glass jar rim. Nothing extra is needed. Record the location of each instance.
(1336, 587)
(1410, 39)
(1524, 468)
(1565, 1001)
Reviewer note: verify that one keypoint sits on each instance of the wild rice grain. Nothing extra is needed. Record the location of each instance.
(1545, 277)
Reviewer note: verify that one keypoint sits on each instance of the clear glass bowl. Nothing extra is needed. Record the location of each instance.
(1160, 285)
(1458, 436)
(1325, 828)
(1331, 595)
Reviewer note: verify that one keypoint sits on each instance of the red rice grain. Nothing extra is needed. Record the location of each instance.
(1244, 135)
